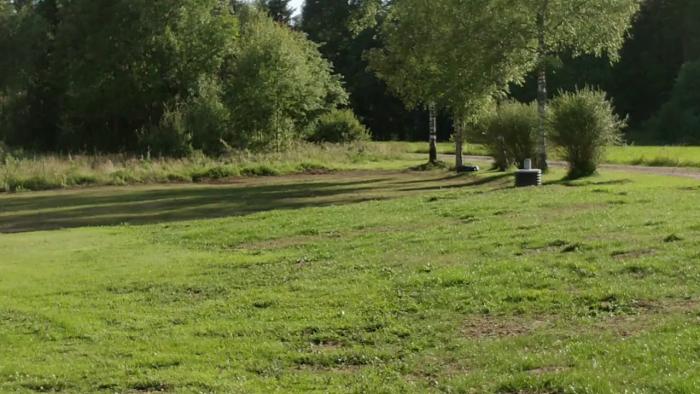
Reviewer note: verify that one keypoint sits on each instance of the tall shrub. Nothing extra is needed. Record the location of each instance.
(278, 84)
(510, 132)
(581, 125)
(339, 126)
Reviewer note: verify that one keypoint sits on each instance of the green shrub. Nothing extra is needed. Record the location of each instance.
(582, 124)
(170, 137)
(33, 183)
(4, 152)
(124, 177)
(509, 134)
(259, 170)
(339, 126)
(313, 168)
(218, 172)
(278, 86)
(207, 118)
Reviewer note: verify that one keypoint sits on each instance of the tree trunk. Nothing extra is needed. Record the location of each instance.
(459, 143)
(541, 160)
(433, 133)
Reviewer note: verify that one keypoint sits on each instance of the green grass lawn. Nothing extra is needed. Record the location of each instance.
(368, 282)
(653, 156)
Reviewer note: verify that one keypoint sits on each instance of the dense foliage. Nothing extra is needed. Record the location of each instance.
(679, 118)
(509, 133)
(331, 23)
(278, 84)
(149, 76)
(142, 75)
(663, 37)
(339, 126)
(582, 124)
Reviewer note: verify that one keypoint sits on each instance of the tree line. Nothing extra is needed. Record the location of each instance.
(135, 75)
(649, 82)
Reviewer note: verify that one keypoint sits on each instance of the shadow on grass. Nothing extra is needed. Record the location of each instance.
(156, 204)
(468, 181)
(587, 181)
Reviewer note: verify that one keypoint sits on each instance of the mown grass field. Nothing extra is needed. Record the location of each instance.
(366, 281)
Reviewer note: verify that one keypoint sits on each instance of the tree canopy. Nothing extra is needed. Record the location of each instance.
(125, 74)
(279, 82)
(113, 75)
(451, 53)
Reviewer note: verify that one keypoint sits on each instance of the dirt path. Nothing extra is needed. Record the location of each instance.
(667, 171)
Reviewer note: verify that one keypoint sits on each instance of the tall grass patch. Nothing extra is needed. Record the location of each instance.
(21, 171)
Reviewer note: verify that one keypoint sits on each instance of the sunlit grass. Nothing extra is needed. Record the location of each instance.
(391, 281)
(653, 156)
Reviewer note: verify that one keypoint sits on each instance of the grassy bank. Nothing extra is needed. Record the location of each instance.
(354, 282)
(28, 172)
(24, 172)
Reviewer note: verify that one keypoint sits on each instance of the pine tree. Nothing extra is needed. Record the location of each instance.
(279, 10)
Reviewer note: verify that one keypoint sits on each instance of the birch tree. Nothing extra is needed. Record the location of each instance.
(453, 54)
(597, 27)
(407, 63)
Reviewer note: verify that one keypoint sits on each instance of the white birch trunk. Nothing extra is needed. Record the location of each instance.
(433, 132)
(459, 143)
(542, 91)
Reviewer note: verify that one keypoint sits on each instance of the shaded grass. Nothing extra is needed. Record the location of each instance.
(355, 282)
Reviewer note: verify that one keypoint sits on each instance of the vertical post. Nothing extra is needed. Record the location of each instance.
(433, 132)
(542, 89)
(459, 142)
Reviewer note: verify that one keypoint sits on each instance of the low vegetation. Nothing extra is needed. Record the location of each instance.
(582, 125)
(339, 126)
(651, 156)
(354, 282)
(25, 172)
(509, 134)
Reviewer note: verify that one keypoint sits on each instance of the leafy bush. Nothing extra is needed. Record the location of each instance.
(279, 84)
(170, 137)
(207, 118)
(4, 152)
(678, 121)
(509, 134)
(582, 124)
(339, 126)
(213, 173)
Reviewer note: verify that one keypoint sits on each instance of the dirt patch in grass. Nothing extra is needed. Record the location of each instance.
(547, 370)
(485, 327)
(650, 316)
(632, 254)
(326, 346)
(151, 387)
